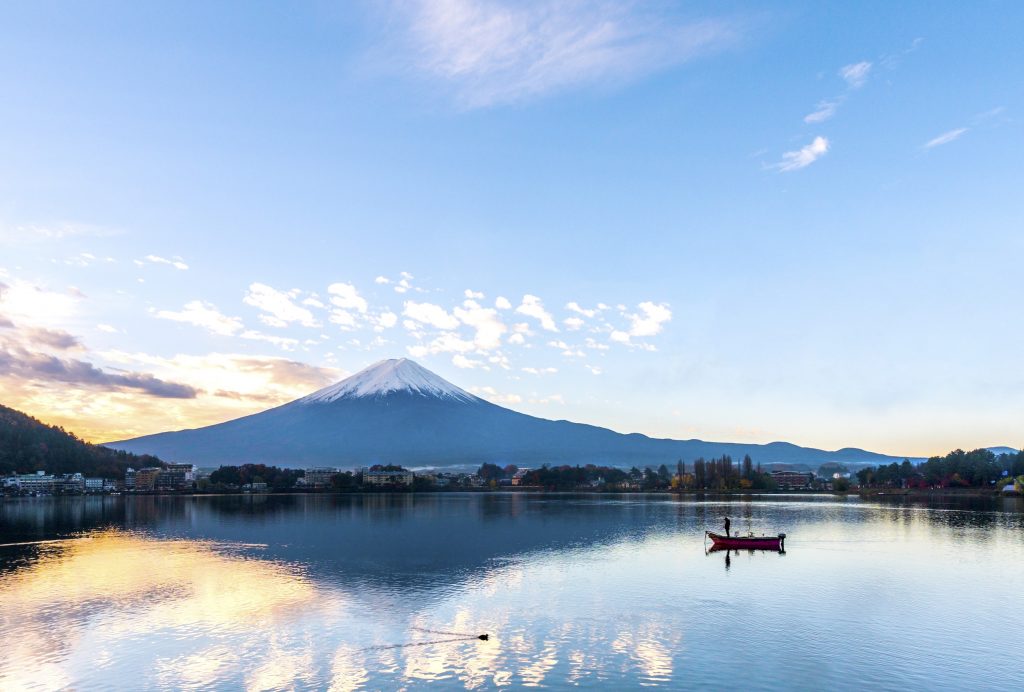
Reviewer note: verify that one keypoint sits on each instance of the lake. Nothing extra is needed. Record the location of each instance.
(386, 591)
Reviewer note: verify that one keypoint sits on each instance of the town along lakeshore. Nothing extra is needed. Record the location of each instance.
(978, 472)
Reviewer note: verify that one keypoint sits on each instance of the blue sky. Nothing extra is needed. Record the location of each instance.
(803, 220)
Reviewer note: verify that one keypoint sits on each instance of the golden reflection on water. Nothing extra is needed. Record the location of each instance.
(82, 598)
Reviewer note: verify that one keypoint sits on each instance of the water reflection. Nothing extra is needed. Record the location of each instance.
(381, 592)
(88, 600)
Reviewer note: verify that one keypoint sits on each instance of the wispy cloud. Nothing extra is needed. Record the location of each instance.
(804, 156)
(856, 75)
(21, 234)
(496, 52)
(175, 262)
(823, 111)
(945, 138)
(206, 315)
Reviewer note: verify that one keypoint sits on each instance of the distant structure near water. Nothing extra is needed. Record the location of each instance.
(169, 477)
(318, 477)
(372, 476)
(517, 477)
(792, 480)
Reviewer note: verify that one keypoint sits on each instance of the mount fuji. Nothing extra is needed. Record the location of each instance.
(397, 411)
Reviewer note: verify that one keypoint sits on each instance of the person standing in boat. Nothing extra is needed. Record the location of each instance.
(727, 525)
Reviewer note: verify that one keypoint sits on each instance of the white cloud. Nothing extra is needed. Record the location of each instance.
(206, 315)
(502, 303)
(597, 345)
(945, 138)
(575, 307)
(313, 301)
(345, 297)
(573, 323)
(855, 74)
(550, 399)
(517, 339)
(405, 283)
(278, 307)
(107, 328)
(501, 52)
(474, 295)
(491, 394)
(382, 280)
(652, 319)
(823, 111)
(620, 336)
(533, 307)
(593, 369)
(501, 360)
(448, 342)
(175, 262)
(431, 314)
(489, 327)
(803, 157)
(386, 320)
(343, 318)
(540, 371)
(461, 361)
(286, 343)
(567, 350)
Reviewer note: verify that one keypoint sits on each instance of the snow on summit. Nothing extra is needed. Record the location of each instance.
(386, 377)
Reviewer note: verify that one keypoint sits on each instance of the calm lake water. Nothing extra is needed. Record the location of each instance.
(389, 591)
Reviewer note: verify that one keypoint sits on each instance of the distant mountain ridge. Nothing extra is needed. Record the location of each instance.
(397, 411)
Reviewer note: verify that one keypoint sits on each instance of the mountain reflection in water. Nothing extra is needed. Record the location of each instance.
(353, 592)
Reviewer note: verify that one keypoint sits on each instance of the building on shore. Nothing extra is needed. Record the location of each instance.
(38, 482)
(518, 476)
(42, 483)
(792, 480)
(318, 477)
(145, 479)
(176, 477)
(381, 477)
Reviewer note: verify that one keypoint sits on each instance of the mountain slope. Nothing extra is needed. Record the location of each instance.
(28, 445)
(397, 411)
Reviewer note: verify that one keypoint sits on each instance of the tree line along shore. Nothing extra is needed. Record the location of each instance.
(28, 446)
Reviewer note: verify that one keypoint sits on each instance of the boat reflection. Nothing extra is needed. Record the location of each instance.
(736, 551)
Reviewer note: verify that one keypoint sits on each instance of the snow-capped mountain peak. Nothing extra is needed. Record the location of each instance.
(389, 376)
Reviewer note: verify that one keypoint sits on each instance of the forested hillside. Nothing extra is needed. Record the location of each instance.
(28, 445)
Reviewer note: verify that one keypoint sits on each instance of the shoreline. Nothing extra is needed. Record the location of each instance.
(868, 493)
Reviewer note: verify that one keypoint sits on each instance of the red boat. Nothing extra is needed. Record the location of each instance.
(748, 542)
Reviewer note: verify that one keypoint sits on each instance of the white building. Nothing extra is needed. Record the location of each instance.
(38, 482)
(382, 477)
(318, 477)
